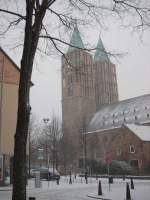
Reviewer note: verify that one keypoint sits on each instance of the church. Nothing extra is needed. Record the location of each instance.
(96, 125)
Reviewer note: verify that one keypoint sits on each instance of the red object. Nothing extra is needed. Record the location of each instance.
(108, 158)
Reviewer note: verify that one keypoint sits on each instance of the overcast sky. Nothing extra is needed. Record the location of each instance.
(133, 70)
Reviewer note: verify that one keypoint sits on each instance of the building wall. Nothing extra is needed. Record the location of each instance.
(118, 142)
(8, 108)
(9, 117)
(106, 83)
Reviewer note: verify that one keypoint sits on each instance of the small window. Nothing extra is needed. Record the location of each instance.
(132, 149)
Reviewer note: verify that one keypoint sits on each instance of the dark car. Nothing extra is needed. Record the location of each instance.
(46, 173)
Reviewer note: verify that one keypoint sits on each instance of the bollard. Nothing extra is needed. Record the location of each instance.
(70, 180)
(32, 198)
(132, 184)
(86, 177)
(99, 188)
(86, 180)
(57, 180)
(37, 180)
(128, 195)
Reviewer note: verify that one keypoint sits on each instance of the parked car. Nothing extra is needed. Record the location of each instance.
(46, 173)
(32, 172)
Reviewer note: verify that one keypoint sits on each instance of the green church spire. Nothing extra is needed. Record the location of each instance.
(100, 53)
(76, 40)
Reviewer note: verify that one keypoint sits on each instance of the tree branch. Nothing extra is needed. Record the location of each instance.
(50, 2)
(13, 23)
(66, 43)
(13, 13)
(63, 18)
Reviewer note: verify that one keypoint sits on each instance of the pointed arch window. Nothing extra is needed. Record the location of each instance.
(132, 149)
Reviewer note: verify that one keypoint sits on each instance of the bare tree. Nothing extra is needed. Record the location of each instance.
(33, 132)
(34, 14)
(51, 137)
(49, 140)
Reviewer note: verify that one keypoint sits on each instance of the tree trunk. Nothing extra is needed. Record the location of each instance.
(32, 30)
(19, 172)
(31, 38)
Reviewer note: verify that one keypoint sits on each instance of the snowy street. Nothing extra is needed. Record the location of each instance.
(81, 191)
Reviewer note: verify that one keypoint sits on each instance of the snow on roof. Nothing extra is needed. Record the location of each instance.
(130, 111)
(143, 132)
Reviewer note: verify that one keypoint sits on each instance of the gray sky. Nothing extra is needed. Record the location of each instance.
(133, 70)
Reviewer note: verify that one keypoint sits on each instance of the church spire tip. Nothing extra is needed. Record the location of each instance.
(76, 41)
(100, 53)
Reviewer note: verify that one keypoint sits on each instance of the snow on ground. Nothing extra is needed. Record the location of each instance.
(79, 190)
(117, 190)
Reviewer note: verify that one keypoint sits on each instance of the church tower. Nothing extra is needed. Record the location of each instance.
(106, 90)
(78, 96)
(87, 84)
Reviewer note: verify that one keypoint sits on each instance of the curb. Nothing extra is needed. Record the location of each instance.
(94, 197)
(9, 189)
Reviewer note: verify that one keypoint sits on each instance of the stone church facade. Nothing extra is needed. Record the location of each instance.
(87, 83)
(89, 95)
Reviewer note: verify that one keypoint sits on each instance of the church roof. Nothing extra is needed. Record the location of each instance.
(100, 53)
(143, 132)
(134, 110)
(76, 40)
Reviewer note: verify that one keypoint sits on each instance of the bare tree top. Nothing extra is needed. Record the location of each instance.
(62, 18)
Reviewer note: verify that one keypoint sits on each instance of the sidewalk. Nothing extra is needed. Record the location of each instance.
(6, 188)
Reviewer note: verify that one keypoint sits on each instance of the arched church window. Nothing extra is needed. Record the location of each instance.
(132, 149)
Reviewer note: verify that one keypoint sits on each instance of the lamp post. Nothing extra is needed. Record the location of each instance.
(46, 120)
